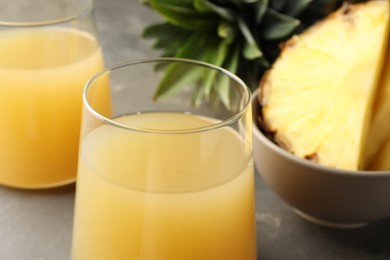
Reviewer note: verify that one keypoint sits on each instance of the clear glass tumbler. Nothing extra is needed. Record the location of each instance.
(164, 178)
(48, 51)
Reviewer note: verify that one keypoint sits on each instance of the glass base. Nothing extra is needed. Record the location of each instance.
(329, 224)
(47, 186)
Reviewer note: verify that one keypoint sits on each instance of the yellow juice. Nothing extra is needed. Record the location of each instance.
(42, 74)
(148, 196)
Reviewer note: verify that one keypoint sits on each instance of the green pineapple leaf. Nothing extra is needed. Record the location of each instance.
(181, 15)
(278, 25)
(216, 54)
(296, 7)
(176, 77)
(167, 37)
(227, 31)
(278, 4)
(242, 36)
(222, 88)
(251, 51)
(224, 13)
(261, 8)
(201, 6)
(193, 48)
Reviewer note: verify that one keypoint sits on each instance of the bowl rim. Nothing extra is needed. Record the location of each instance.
(277, 149)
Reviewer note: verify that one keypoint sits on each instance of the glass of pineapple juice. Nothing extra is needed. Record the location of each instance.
(163, 178)
(48, 50)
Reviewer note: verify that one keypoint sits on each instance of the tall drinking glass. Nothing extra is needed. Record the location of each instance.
(48, 50)
(164, 178)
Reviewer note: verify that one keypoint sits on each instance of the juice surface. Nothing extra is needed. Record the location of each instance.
(145, 196)
(42, 74)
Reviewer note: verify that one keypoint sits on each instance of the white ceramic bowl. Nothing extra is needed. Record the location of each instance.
(324, 195)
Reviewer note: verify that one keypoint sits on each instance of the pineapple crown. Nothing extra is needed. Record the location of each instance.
(242, 36)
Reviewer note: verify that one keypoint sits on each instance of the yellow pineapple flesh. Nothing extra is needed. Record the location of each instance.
(378, 141)
(317, 98)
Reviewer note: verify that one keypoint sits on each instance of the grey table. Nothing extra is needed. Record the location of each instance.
(37, 225)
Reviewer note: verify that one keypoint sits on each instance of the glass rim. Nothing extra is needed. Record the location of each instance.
(219, 124)
(83, 12)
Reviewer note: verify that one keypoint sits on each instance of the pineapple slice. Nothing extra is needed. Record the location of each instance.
(380, 127)
(317, 98)
(381, 162)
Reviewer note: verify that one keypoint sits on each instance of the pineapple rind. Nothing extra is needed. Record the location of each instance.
(316, 99)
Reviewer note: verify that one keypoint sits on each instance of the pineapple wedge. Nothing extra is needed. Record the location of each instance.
(380, 127)
(317, 98)
(381, 162)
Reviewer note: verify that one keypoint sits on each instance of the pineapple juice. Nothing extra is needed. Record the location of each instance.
(42, 74)
(164, 196)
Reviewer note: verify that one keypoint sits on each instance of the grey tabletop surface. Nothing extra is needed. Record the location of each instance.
(37, 225)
